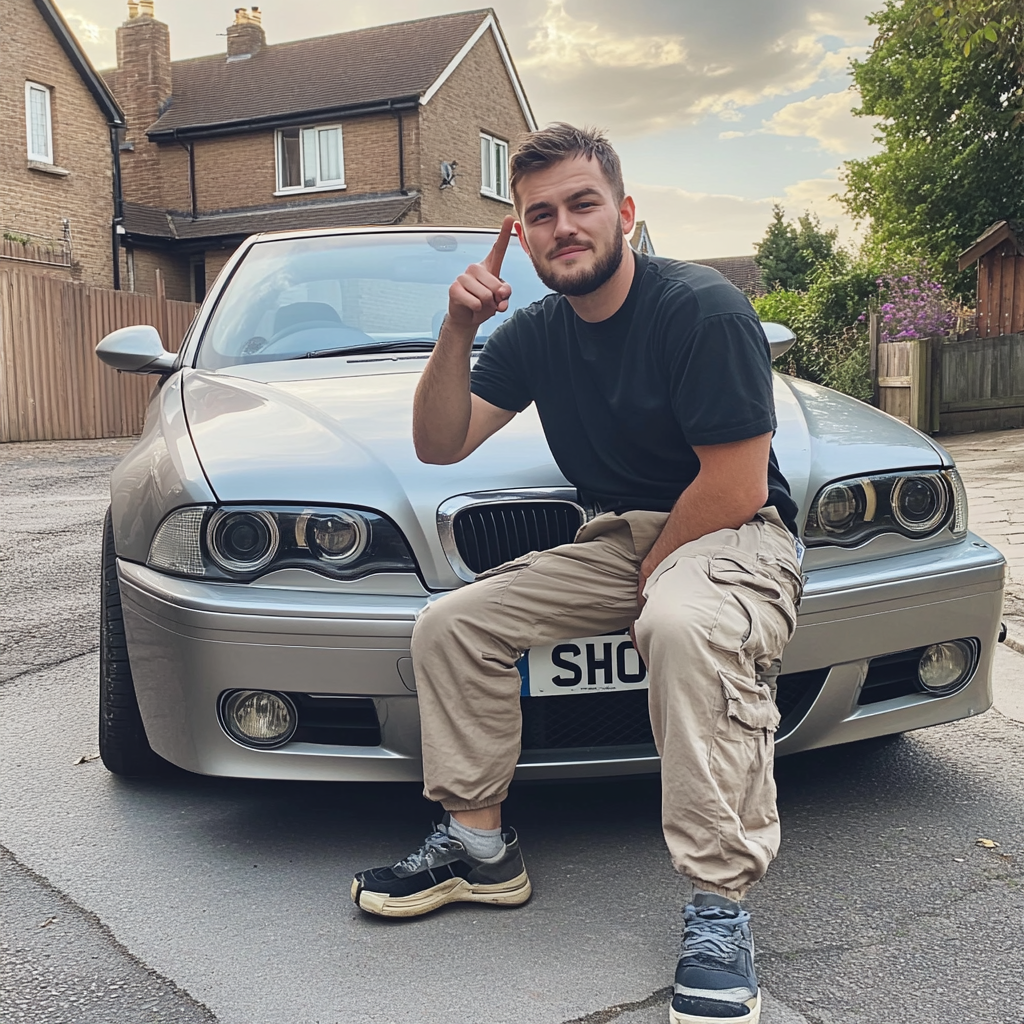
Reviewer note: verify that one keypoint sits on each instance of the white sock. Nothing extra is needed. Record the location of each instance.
(482, 843)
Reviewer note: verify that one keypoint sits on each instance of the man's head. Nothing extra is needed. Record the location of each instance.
(573, 210)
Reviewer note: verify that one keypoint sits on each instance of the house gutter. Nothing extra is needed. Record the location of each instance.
(281, 120)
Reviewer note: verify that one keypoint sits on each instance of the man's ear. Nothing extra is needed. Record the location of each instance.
(521, 234)
(627, 211)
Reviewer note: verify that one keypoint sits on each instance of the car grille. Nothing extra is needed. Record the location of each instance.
(487, 535)
(622, 719)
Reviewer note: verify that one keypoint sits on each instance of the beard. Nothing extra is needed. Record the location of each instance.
(584, 282)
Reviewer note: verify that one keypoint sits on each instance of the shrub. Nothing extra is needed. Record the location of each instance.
(915, 306)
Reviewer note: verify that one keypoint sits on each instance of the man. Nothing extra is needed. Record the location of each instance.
(652, 379)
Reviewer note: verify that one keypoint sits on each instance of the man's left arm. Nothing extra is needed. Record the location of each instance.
(729, 489)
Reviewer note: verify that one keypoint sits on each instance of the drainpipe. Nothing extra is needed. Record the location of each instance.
(117, 225)
(401, 149)
(188, 147)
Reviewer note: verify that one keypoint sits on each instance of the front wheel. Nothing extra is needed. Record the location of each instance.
(124, 748)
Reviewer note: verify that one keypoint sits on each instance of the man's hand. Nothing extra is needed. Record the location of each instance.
(479, 293)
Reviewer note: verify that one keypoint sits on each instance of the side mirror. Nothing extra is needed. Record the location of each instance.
(780, 339)
(136, 350)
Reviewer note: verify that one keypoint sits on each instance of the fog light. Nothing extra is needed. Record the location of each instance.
(944, 668)
(258, 718)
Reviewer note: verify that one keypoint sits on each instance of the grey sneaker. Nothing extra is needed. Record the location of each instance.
(440, 872)
(715, 978)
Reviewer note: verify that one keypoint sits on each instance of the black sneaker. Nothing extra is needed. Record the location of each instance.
(440, 872)
(715, 979)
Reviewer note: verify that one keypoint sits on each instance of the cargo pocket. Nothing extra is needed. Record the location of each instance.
(757, 615)
(749, 704)
(743, 752)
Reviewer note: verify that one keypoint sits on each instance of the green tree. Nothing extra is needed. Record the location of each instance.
(952, 161)
(788, 253)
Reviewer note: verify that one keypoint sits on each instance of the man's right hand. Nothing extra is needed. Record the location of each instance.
(479, 293)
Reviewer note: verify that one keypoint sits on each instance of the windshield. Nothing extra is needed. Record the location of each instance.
(300, 297)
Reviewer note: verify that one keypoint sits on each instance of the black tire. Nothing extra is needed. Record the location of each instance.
(123, 744)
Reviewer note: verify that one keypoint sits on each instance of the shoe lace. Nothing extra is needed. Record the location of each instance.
(435, 845)
(713, 931)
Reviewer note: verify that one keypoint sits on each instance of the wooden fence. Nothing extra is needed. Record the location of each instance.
(52, 386)
(946, 386)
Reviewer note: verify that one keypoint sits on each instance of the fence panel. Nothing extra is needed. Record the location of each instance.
(895, 379)
(52, 386)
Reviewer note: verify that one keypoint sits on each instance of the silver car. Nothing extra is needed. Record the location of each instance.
(272, 538)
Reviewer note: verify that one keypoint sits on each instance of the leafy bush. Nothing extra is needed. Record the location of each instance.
(829, 322)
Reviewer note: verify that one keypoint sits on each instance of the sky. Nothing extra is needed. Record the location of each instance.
(718, 108)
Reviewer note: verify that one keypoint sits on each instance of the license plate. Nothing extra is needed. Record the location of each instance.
(591, 664)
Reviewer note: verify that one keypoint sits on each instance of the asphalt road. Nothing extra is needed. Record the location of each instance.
(196, 899)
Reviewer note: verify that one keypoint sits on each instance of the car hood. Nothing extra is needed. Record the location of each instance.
(339, 432)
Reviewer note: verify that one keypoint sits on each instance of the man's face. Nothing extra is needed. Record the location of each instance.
(571, 225)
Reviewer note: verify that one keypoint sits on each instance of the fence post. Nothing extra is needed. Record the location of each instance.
(161, 304)
(874, 329)
(920, 384)
(935, 403)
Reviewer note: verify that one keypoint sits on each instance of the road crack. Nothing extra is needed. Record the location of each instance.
(36, 669)
(611, 1012)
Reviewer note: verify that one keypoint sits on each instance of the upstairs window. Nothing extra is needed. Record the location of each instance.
(37, 121)
(310, 158)
(494, 168)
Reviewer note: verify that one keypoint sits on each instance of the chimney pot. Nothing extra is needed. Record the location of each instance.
(133, 9)
(246, 35)
(146, 9)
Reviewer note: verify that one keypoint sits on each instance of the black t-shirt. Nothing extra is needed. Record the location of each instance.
(684, 361)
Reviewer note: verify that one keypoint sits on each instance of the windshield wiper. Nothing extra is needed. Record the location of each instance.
(415, 345)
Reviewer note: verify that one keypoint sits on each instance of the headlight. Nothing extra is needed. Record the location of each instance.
(915, 504)
(240, 543)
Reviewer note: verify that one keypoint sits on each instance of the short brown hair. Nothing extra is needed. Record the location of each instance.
(561, 141)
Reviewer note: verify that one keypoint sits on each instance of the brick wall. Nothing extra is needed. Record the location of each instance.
(35, 202)
(215, 260)
(175, 271)
(240, 170)
(478, 97)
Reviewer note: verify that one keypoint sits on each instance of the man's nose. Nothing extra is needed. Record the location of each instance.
(565, 226)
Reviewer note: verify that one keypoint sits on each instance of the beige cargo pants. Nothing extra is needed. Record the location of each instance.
(718, 611)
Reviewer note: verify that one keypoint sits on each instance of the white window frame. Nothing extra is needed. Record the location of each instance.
(39, 158)
(488, 184)
(322, 185)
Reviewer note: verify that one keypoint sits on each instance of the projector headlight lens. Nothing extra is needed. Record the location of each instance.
(340, 537)
(241, 540)
(919, 502)
(258, 718)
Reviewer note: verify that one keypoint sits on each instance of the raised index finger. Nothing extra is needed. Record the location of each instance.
(492, 261)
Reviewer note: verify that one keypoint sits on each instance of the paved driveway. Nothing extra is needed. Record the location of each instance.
(195, 899)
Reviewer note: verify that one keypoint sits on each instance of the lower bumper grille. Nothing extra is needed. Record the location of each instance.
(342, 721)
(623, 719)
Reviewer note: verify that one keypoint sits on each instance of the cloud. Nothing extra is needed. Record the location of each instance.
(682, 60)
(731, 135)
(826, 119)
(702, 225)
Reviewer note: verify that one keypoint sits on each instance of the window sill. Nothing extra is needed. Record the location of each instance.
(496, 198)
(38, 165)
(308, 191)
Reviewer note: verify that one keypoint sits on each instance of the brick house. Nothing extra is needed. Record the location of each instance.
(58, 164)
(403, 123)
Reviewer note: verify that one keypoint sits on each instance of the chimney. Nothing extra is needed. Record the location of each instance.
(141, 84)
(246, 35)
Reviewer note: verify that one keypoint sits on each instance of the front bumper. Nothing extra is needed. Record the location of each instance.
(189, 641)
